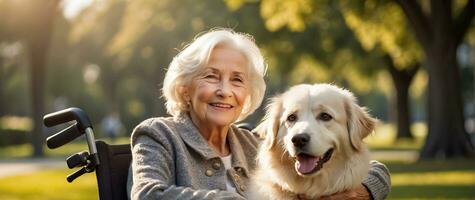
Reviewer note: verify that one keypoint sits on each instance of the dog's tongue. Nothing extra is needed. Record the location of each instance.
(306, 163)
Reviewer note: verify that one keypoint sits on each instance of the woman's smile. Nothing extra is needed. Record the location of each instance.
(221, 106)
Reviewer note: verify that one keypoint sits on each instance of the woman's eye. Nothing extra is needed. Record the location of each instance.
(325, 117)
(211, 76)
(292, 118)
(238, 80)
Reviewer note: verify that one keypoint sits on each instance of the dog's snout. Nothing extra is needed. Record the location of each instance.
(300, 140)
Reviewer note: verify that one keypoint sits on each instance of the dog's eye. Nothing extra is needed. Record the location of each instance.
(291, 118)
(325, 117)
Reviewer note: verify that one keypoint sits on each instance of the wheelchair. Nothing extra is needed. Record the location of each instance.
(110, 162)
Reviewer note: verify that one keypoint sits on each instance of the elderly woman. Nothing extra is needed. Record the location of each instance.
(199, 153)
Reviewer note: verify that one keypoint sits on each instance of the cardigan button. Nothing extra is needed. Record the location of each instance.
(216, 165)
(243, 188)
(209, 172)
(237, 177)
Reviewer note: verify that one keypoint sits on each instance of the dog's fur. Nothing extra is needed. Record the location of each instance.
(276, 176)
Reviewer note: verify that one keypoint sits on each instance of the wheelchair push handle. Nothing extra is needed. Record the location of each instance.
(81, 125)
(67, 115)
(63, 137)
(88, 161)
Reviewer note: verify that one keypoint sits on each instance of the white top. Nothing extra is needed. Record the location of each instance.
(227, 165)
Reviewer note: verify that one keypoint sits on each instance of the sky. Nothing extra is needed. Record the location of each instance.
(72, 8)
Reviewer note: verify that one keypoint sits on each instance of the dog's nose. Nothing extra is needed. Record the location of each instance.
(300, 140)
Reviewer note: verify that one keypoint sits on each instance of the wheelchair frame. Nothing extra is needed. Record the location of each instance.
(110, 162)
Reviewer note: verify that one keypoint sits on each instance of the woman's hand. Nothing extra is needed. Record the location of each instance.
(358, 193)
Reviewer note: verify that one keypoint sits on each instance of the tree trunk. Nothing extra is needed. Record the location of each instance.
(439, 33)
(109, 87)
(2, 86)
(38, 42)
(447, 136)
(402, 81)
(403, 110)
(37, 73)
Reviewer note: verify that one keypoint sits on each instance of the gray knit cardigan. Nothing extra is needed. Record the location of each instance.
(171, 160)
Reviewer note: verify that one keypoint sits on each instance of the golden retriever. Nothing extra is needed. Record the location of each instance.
(312, 144)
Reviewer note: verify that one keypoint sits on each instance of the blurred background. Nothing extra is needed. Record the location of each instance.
(410, 62)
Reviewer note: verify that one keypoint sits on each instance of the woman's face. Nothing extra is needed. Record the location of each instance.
(218, 93)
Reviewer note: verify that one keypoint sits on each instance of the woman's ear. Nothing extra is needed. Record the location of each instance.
(269, 127)
(359, 123)
(185, 93)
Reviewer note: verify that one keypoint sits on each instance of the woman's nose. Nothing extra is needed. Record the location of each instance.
(224, 89)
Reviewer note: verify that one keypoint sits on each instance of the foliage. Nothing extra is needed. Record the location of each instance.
(13, 137)
(382, 25)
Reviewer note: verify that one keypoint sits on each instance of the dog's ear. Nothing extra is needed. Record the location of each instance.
(359, 123)
(269, 127)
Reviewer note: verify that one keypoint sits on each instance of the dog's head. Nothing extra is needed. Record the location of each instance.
(312, 123)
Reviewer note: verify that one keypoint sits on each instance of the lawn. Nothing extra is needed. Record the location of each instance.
(422, 180)
(432, 180)
(384, 138)
(48, 185)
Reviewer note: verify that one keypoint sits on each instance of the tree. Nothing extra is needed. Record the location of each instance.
(91, 40)
(402, 79)
(38, 41)
(305, 18)
(134, 41)
(32, 22)
(439, 32)
(381, 26)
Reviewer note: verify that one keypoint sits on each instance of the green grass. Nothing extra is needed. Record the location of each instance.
(433, 192)
(453, 179)
(420, 180)
(48, 185)
(384, 138)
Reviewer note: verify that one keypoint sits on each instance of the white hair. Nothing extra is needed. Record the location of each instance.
(191, 60)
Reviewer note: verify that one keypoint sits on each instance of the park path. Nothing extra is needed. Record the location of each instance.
(12, 167)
